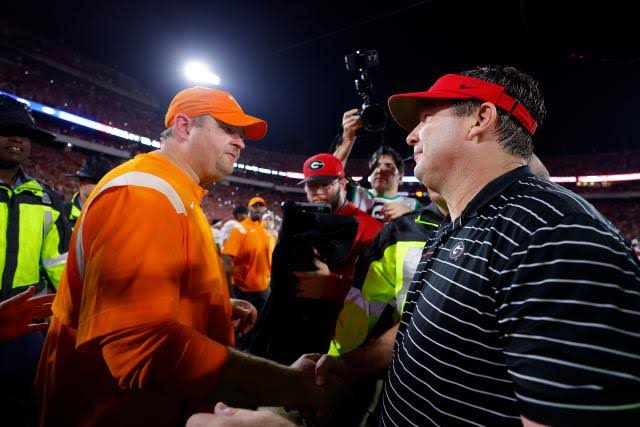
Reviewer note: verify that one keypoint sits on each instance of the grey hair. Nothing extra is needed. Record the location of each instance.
(198, 121)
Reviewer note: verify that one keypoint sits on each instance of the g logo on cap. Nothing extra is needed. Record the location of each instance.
(315, 165)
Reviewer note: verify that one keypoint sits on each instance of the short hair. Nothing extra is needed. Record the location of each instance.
(386, 150)
(240, 210)
(512, 136)
(198, 121)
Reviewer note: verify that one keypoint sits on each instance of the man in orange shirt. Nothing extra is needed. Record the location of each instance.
(247, 255)
(143, 327)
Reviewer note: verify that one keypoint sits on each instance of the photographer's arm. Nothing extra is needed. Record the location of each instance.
(351, 122)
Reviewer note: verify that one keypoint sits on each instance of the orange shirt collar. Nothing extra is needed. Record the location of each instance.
(187, 185)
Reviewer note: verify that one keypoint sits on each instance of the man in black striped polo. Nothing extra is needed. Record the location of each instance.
(525, 306)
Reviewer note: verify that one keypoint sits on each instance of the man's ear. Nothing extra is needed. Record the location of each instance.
(181, 127)
(486, 118)
(343, 183)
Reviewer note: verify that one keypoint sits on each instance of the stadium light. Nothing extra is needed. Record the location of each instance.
(198, 72)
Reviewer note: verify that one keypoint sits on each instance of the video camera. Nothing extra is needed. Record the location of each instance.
(374, 116)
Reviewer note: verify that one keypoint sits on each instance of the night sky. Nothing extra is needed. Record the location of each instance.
(283, 60)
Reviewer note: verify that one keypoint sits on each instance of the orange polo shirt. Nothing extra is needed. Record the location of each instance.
(142, 319)
(250, 247)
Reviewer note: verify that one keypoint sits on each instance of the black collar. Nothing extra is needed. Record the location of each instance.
(493, 190)
(488, 193)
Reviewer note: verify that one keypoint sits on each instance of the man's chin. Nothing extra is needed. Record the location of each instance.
(9, 163)
(378, 188)
(420, 175)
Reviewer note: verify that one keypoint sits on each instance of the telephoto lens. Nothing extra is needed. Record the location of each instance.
(374, 118)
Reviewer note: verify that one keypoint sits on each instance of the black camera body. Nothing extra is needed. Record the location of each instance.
(374, 116)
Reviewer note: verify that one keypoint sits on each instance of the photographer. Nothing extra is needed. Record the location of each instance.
(386, 167)
(386, 170)
(313, 265)
(324, 182)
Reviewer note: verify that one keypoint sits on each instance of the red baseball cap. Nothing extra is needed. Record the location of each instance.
(197, 101)
(322, 167)
(404, 106)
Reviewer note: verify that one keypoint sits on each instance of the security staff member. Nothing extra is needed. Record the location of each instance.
(34, 237)
(91, 171)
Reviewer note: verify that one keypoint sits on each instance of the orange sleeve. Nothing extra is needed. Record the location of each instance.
(234, 242)
(165, 356)
(135, 256)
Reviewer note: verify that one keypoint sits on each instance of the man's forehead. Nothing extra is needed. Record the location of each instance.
(432, 105)
(321, 181)
(386, 159)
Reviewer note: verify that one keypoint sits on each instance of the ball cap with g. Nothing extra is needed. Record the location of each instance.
(322, 167)
(198, 101)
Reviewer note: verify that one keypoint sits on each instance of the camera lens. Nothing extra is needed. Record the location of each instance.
(374, 118)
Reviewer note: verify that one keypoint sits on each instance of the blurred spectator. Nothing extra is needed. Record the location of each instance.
(247, 256)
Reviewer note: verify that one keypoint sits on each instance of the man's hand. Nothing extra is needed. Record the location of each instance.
(311, 284)
(393, 210)
(351, 122)
(325, 398)
(18, 313)
(224, 416)
(243, 315)
(330, 365)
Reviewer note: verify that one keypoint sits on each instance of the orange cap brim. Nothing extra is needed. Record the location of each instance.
(254, 128)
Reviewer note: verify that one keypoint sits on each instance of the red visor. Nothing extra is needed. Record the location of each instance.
(404, 106)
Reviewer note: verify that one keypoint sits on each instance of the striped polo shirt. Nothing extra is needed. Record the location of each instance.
(527, 304)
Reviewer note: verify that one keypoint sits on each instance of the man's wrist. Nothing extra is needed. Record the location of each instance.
(299, 390)
(346, 139)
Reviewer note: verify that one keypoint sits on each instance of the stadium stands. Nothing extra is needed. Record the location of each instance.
(48, 73)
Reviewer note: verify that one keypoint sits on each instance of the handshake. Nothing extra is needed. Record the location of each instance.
(324, 384)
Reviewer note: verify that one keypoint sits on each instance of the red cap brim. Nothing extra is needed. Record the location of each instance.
(404, 107)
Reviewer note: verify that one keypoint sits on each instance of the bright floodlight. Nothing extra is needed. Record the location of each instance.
(199, 73)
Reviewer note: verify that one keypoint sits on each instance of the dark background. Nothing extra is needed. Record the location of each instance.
(283, 60)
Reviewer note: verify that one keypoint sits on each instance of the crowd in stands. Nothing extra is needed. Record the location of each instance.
(51, 87)
(58, 54)
(604, 187)
(83, 87)
(593, 164)
(624, 213)
(51, 162)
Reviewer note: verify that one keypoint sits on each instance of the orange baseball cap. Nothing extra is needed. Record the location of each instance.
(197, 101)
(255, 200)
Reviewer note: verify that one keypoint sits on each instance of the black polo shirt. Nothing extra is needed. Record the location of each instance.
(527, 304)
